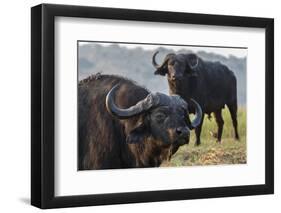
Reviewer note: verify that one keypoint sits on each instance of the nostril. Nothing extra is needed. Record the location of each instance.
(179, 131)
(182, 131)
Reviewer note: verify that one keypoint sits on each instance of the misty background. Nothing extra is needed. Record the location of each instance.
(135, 62)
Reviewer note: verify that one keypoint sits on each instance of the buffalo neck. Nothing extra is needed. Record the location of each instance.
(186, 88)
(150, 153)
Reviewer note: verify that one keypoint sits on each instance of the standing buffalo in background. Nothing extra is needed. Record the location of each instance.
(211, 84)
(122, 125)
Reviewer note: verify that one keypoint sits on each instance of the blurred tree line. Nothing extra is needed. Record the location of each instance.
(135, 64)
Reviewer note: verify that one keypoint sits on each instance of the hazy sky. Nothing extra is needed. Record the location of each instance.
(238, 52)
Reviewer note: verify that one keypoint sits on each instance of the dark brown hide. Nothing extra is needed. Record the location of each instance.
(106, 142)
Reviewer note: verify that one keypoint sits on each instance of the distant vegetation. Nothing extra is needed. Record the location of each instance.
(136, 64)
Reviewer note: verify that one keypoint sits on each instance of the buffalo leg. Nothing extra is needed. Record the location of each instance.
(233, 112)
(198, 131)
(220, 123)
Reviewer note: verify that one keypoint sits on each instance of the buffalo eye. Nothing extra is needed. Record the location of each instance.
(160, 117)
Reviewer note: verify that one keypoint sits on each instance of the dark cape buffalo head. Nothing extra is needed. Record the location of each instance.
(164, 118)
(176, 66)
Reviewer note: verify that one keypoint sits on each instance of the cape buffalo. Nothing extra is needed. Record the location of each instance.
(211, 84)
(123, 125)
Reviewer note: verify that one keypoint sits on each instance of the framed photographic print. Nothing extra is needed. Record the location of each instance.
(139, 106)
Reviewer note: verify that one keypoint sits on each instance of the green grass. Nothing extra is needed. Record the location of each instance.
(210, 152)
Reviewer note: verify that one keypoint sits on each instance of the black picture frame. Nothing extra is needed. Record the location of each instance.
(43, 102)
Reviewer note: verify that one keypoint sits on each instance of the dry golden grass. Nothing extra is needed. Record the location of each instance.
(210, 152)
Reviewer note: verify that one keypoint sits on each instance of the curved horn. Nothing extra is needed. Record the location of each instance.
(137, 109)
(198, 114)
(154, 61)
(168, 56)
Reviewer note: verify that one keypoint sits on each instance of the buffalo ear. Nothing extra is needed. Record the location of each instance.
(192, 60)
(137, 135)
(161, 71)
